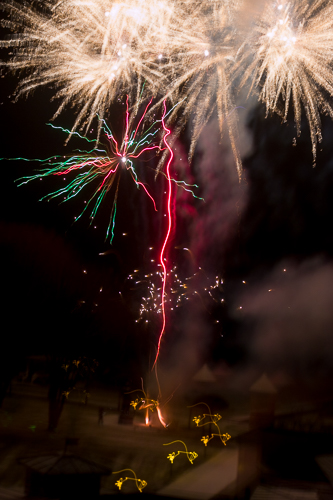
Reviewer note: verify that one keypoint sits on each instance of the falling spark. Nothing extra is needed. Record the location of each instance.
(209, 418)
(180, 291)
(146, 403)
(140, 483)
(191, 455)
(224, 438)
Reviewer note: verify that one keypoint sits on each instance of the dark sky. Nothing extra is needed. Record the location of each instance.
(280, 213)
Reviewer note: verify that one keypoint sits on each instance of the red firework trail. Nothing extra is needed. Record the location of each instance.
(162, 261)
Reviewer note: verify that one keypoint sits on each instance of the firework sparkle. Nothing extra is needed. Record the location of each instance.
(180, 290)
(91, 51)
(103, 166)
(204, 46)
(289, 58)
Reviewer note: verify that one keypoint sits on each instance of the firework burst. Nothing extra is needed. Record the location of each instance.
(200, 65)
(102, 167)
(289, 57)
(92, 51)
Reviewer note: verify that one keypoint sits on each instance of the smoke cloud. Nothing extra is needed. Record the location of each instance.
(224, 197)
(291, 310)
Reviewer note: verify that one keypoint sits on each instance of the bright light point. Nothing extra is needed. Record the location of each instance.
(88, 78)
(206, 52)
(125, 234)
(107, 13)
(243, 281)
(124, 46)
(119, 53)
(284, 270)
(84, 271)
(123, 159)
(280, 7)
(160, 56)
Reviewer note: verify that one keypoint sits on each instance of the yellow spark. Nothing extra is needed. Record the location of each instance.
(140, 483)
(205, 440)
(212, 419)
(191, 455)
(134, 404)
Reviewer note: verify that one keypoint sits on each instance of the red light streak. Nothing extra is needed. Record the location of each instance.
(160, 417)
(142, 117)
(167, 234)
(107, 176)
(148, 194)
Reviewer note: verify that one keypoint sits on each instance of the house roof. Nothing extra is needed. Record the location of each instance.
(204, 375)
(263, 385)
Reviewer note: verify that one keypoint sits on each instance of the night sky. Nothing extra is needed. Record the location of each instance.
(272, 231)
